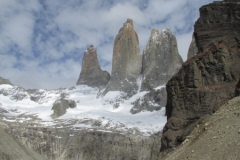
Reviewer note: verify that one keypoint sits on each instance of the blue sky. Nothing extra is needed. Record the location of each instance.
(42, 41)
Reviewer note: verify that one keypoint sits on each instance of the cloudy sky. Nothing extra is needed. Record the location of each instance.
(42, 41)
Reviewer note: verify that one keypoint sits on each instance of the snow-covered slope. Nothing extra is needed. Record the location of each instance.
(107, 113)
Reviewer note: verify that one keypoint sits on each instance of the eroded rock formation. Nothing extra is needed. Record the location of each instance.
(60, 107)
(218, 21)
(126, 62)
(91, 73)
(82, 144)
(161, 59)
(207, 80)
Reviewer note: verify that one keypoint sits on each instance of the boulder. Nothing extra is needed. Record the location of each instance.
(60, 107)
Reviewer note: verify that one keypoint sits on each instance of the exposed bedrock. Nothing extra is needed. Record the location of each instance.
(203, 84)
(218, 21)
(161, 59)
(193, 50)
(126, 61)
(67, 144)
(91, 73)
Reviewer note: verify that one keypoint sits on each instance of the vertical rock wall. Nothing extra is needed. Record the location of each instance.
(91, 73)
(126, 62)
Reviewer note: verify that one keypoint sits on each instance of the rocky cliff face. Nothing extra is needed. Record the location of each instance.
(207, 80)
(126, 62)
(218, 21)
(203, 84)
(193, 50)
(66, 144)
(161, 59)
(91, 73)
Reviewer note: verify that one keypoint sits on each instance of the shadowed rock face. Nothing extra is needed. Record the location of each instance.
(193, 50)
(203, 84)
(126, 62)
(91, 73)
(218, 21)
(161, 59)
(210, 78)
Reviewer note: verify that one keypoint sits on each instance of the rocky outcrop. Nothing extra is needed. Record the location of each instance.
(193, 50)
(126, 61)
(62, 143)
(204, 83)
(11, 148)
(91, 73)
(152, 101)
(4, 81)
(161, 59)
(218, 21)
(60, 107)
(207, 80)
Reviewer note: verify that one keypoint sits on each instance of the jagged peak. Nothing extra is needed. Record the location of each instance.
(128, 23)
(166, 30)
(91, 48)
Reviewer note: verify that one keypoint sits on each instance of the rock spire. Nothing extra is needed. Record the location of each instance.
(161, 59)
(91, 73)
(126, 61)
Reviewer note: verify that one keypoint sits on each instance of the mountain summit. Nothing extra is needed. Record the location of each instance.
(126, 61)
(91, 73)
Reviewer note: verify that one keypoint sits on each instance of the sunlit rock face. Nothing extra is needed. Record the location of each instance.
(161, 59)
(126, 61)
(91, 73)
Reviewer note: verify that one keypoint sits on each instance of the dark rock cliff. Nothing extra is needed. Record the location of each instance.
(218, 21)
(91, 73)
(210, 78)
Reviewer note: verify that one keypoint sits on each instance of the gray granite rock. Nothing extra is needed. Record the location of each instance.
(161, 59)
(60, 107)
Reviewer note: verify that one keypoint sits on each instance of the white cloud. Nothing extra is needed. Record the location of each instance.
(42, 42)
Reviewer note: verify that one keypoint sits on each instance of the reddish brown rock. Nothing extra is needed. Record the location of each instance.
(91, 73)
(126, 62)
(203, 84)
(210, 78)
(218, 21)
